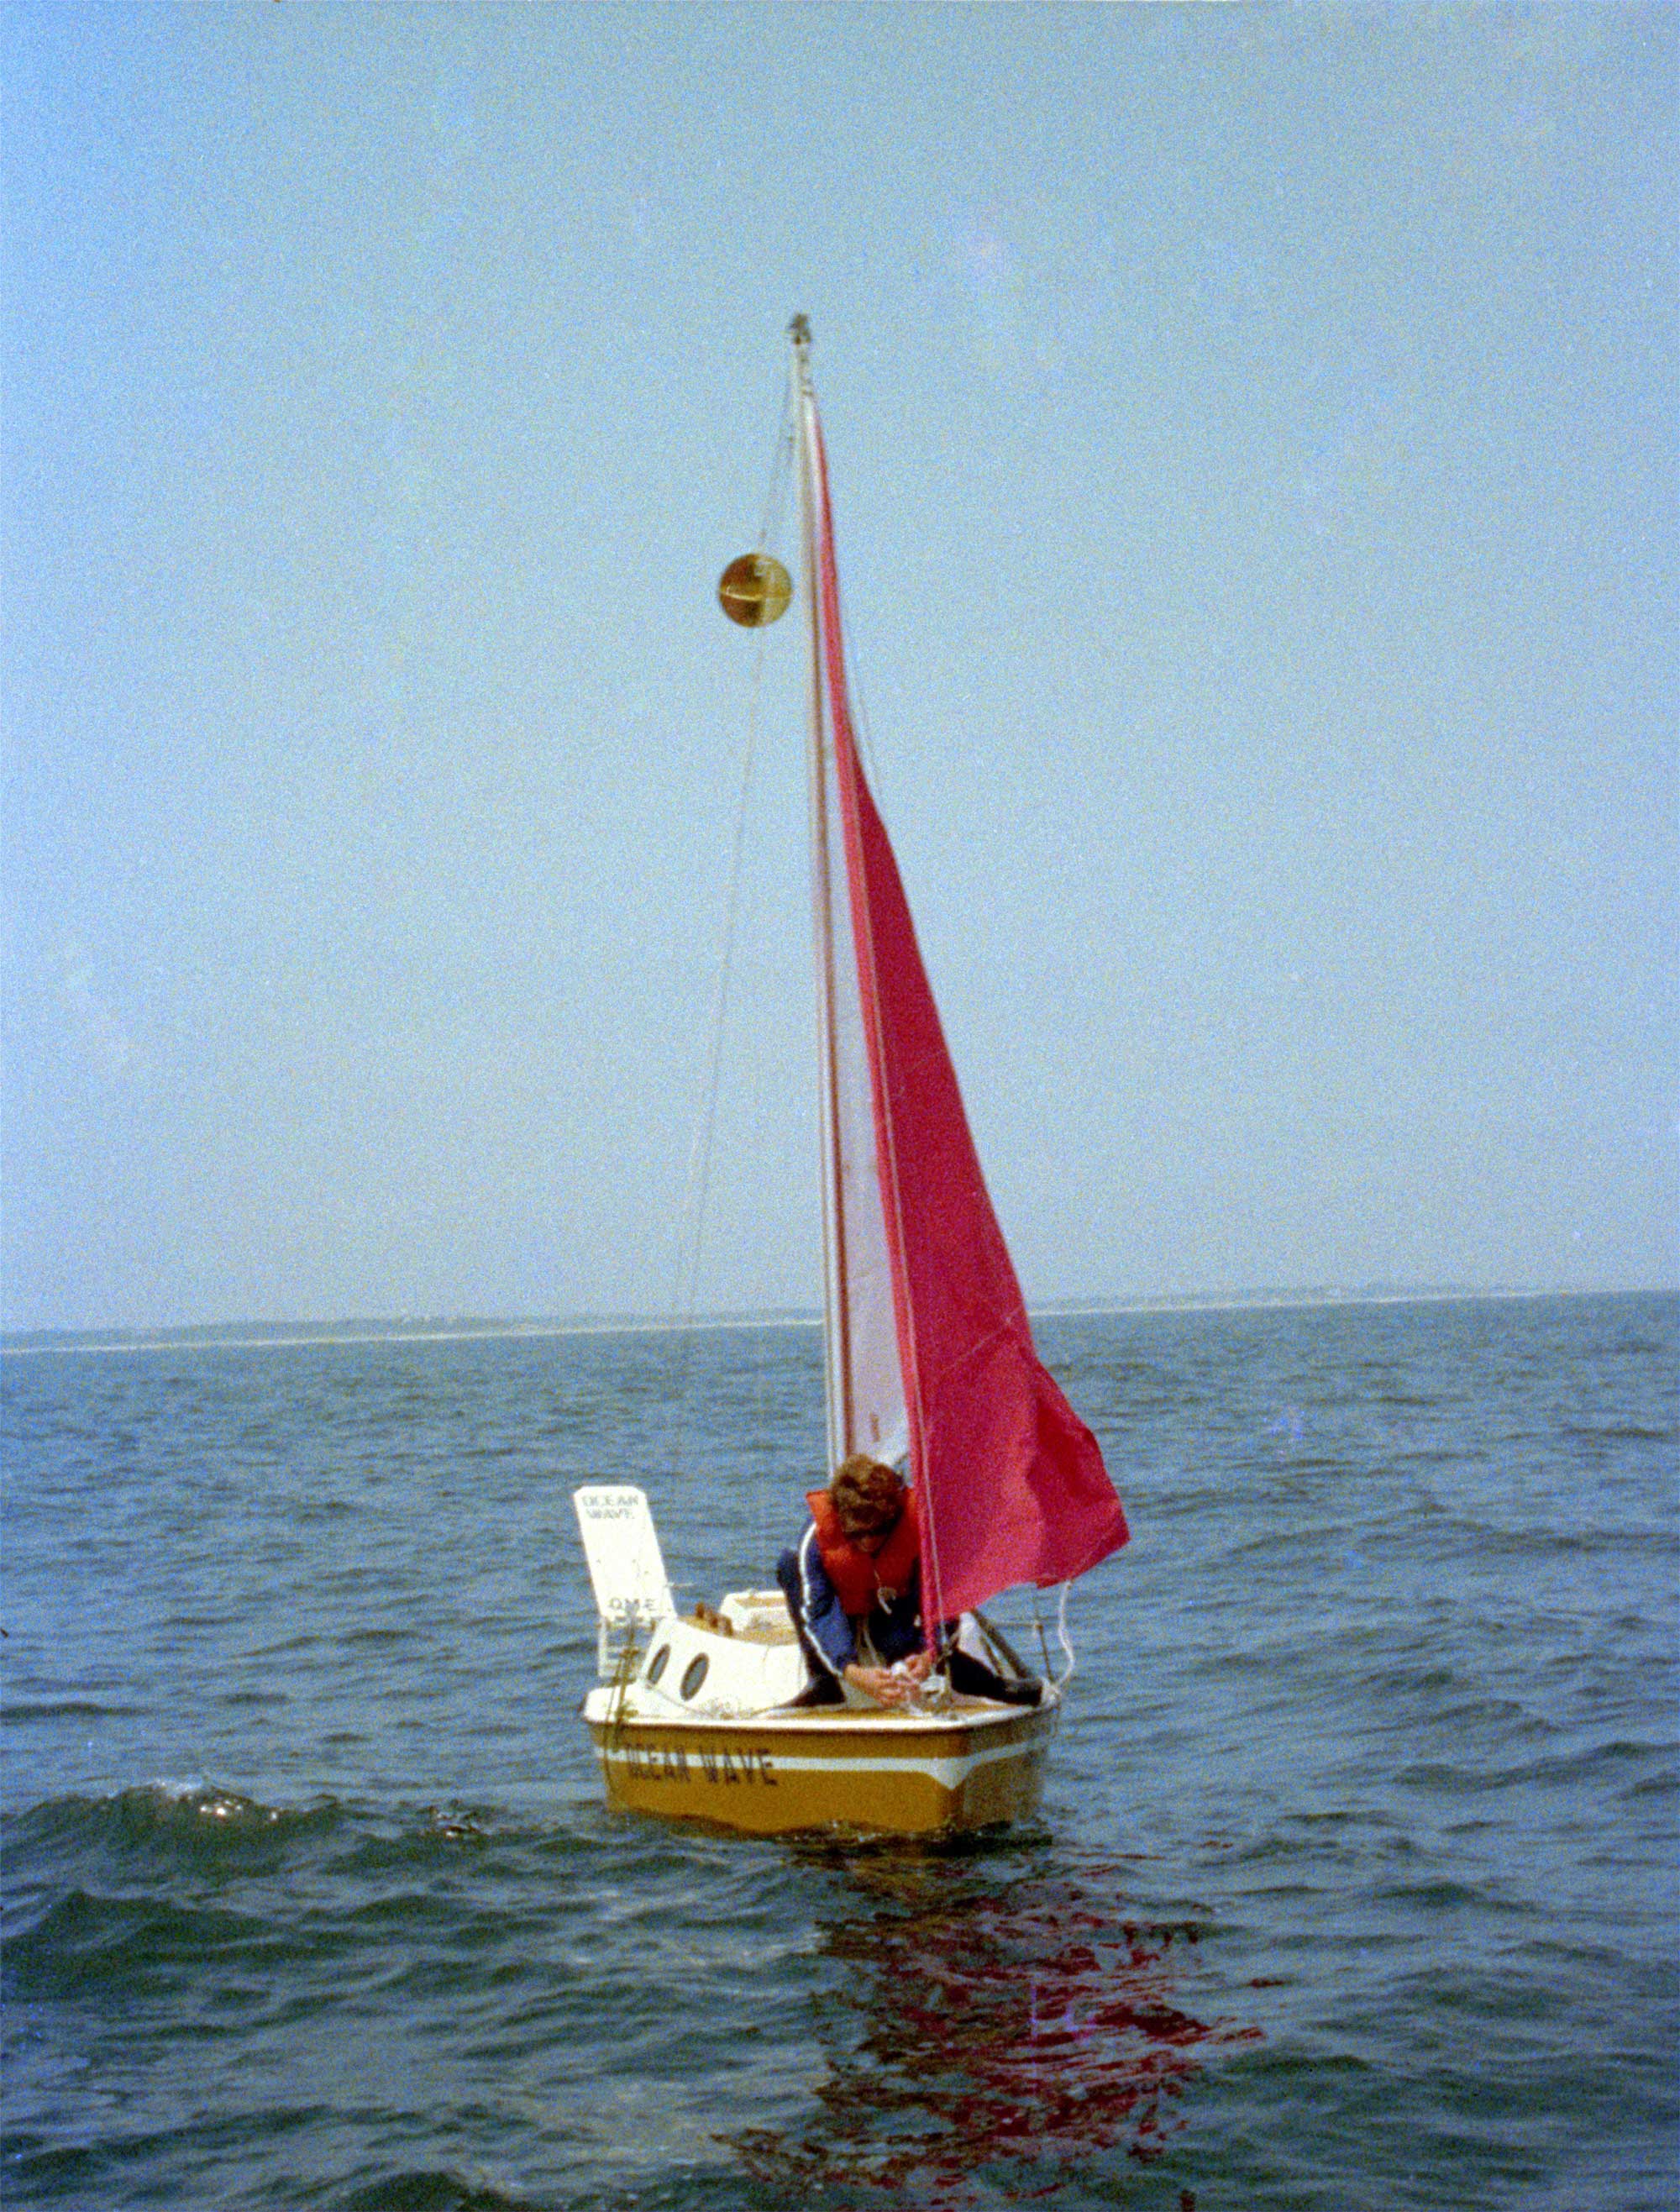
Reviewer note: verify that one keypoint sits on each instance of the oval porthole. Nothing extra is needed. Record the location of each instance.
(655, 1665)
(694, 1675)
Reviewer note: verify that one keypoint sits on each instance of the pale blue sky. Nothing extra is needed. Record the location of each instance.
(1253, 435)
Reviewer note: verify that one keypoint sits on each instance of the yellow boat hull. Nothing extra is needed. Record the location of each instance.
(970, 1766)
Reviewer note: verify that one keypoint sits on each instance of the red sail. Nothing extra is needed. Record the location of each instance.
(1012, 1482)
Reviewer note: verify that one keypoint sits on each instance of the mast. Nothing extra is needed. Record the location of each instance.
(836, 1306)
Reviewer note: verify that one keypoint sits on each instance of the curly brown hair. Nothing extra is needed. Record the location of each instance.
(868, 1496)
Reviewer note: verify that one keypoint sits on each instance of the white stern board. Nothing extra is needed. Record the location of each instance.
(625, 1569)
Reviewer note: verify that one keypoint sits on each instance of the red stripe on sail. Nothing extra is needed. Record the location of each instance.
(1012, 1482)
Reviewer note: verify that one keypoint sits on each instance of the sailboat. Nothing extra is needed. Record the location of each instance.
(929, 1363)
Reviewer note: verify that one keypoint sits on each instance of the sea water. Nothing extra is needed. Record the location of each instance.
(1354, 1884)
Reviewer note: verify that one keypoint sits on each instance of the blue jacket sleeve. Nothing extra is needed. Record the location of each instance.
(821, 1613)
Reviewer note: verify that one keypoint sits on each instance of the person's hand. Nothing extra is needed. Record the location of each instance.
(918, 1666)
(880, 1683)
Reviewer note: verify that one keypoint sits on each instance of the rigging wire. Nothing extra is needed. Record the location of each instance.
(775, 498)
(692, 1222)
(1062, 1637)
(1065, 1640)
(692, 1219)
(860, 724)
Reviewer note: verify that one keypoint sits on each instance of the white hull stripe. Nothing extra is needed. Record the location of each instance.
(948, 1773)
(603, 1708)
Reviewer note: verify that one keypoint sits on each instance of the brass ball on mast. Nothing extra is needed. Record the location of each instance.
(754, 590)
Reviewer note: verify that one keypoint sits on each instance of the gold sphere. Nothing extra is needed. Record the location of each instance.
(754, 590)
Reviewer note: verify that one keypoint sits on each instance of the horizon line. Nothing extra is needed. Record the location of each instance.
(254, 1335)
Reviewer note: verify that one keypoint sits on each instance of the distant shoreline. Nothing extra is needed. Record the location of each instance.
(237, 1336)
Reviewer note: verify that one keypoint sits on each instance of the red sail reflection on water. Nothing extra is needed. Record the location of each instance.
(1035, 2024)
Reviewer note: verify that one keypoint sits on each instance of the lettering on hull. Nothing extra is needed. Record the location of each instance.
(671, 1763)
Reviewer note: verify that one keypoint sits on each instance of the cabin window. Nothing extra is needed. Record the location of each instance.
(695, 1675)
(655, 1665)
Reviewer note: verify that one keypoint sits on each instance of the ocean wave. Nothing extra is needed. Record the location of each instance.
(167, 1815)
(1598, 1762)
(433, 2189)
(194, 1824)
(84, 1939)
(1621, 1432)
(1510, 1540)
(21, 1710)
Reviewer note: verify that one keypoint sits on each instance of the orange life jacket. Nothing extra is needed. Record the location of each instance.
(863, 1581)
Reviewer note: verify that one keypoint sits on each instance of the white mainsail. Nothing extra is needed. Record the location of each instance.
(865, 1390)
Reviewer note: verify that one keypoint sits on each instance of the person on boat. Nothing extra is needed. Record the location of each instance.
(854, 1579)
(853, 1587)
